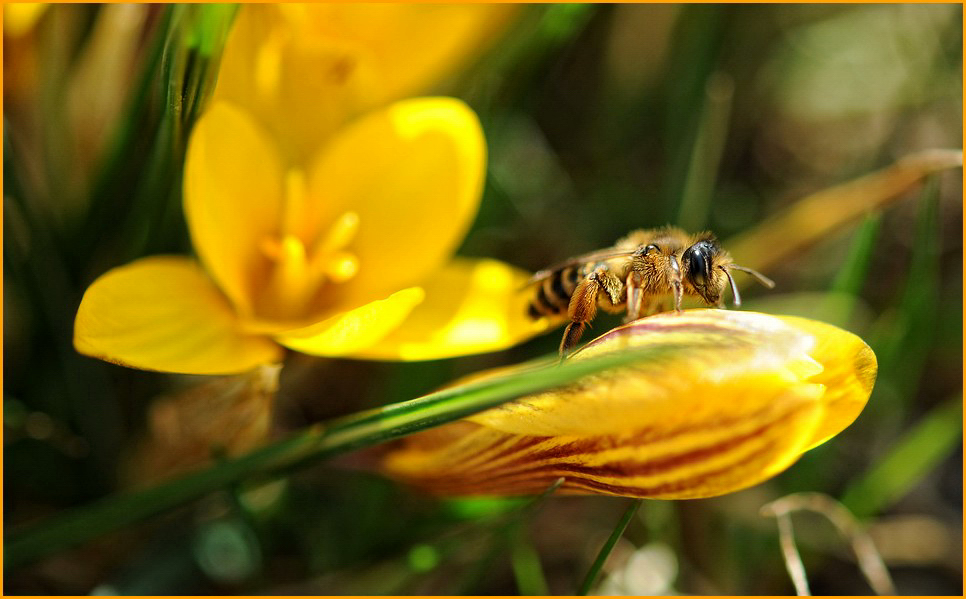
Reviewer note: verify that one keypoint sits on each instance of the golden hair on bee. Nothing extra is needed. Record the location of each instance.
(637, 275)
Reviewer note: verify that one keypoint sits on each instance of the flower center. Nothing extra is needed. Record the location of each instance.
(299, 268)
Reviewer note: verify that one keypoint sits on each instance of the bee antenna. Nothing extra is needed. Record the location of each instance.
(734, 288)
(761, 278)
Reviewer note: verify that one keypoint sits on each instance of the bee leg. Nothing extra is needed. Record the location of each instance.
(571, 336)
(583, 305)
(635, 296)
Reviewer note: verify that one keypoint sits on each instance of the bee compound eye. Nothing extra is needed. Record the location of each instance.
(698, 262)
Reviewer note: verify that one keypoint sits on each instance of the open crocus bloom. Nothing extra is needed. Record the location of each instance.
(327, 260)
(731, 399)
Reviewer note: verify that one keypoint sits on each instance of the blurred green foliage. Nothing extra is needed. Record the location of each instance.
(599, 119)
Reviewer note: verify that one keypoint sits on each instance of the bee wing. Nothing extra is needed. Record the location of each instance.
(546, 273)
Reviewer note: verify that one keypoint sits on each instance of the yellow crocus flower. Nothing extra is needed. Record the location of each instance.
(315, 234)
(327, 261)
(732, 399)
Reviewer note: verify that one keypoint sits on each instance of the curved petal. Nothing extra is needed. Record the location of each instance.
(164, 313)
(731, 399)
(715, 353)
(849, 374)
(301, 92)
(349, 332)
(391, 37)
(233, 193)
(413, 175)
(304, 70)
(471, 306)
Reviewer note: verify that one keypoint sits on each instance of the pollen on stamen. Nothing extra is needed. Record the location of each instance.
(341, 267)
(340, 234)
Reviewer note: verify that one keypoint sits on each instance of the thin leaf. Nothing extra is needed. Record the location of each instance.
(913, 458)
(845, 289)
(905, 344)
(608, 547)
(311, 445)
(815, 216)
(854, 267)
(525, 562)
(706, 153)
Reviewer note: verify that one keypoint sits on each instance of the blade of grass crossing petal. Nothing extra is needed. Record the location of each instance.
(598, 564)
(313, 444)
(915, 456)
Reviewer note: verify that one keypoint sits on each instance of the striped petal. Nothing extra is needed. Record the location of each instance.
(733, 399)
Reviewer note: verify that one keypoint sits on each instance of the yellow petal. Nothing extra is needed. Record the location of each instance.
(732, 399)
(350, 332)
(849, 375)
(164, 313)
(300, 92)
(413, 175)
(392, 37)
(233, 193)
(471, 306)
(305, 70)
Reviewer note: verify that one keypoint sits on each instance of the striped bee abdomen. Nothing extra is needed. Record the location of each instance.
(552, 295)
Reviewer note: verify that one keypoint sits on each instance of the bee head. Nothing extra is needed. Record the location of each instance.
(698, 262)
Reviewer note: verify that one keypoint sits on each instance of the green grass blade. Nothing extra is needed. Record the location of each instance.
(848, 282)
(852, 274)
(903, 346)
(916, 454)
(705, 159)
(525, 563)
(598, 564)
(309, 446)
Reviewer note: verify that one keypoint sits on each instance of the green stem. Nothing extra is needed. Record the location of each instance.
(309, 446)
(608, 547)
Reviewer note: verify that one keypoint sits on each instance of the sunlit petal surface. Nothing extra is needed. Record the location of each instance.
(731, 399)
(233, 196)
(471, 306)
(164, 313)
(412, 174)
(354, 330)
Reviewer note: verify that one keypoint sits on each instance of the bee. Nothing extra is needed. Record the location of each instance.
(638, 275)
